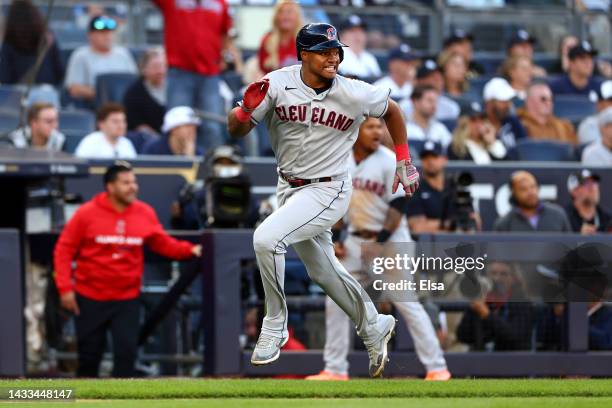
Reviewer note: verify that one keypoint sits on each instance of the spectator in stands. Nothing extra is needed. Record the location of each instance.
(421, 124)
(104, 242)
(579, 77)
(538, 119)
(429, 74)
(195, 36)
(461, 42)
(145, 99)
(502, 320)
(402, 68)
(585, 214)
(97, 58)
(432, 209)
(498, 95)
(528, 213)
(41, 131)
(109, 141)
(588, 130)
(518, 72)
(180, 131)
(277, 47)
(25, 36)
(474, 138)
(522, 44)
(454, 70)
(567, 43)
(599, 152)
(358, 62)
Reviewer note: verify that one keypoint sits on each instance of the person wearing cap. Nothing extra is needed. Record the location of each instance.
(100, 56)
(357, 62)
(578, 80)
(180, 131)
(474, 138)
(421, 124)
(522, 44)
(460, 41)
(109, 142)
(145, 99)
(599, 152)
(588, 130)
(402, 69)
(529, 213)
(538, 119)
(429, 73)
(585, 213)
(498, 96)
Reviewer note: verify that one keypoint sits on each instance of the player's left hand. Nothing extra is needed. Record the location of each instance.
(408, 176)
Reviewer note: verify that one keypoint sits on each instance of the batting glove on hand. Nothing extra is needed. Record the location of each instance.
(254, 94)
(408, 176)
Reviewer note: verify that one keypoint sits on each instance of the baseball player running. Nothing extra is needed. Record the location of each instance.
(313, 116)
(375, 214)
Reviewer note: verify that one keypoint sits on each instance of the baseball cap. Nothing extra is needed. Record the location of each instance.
(427, 67)
(431, 147)
(498, 89)
(403, 52)
(604, 117)
(604, 91)
(102, 23)
(353, 21)
(521, 36)
(181, 115)
(458, 35)
(583, 48)
(473, 109)
(577, 179)
(226, 152)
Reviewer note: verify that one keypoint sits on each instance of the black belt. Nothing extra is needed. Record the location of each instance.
(297, 182)
(365, 234)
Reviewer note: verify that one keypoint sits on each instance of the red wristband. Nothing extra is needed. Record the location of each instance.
(402, 152)
(241, 115)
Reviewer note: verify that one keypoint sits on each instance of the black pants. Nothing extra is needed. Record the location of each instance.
(122, 318)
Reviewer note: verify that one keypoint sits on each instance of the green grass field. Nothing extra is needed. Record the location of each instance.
(230, 393)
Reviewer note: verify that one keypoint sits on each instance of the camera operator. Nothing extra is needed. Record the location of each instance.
(441, 203)
(220, 198)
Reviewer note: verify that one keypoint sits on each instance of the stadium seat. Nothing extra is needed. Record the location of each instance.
(542, 150)
(9, 121)
(73, 138)
(450, 124)
(10, 97)
(112, 87)
(77, 120)
(573, 107)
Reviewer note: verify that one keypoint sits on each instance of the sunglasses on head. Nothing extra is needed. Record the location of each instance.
(104, 23)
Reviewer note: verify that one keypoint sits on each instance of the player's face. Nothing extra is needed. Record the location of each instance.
(323, 64)
(370, 134)
(124, 189)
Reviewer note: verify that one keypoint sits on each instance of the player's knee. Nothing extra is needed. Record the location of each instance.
(263, 241)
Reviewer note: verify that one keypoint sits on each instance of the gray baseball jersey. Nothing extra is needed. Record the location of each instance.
(312, 134)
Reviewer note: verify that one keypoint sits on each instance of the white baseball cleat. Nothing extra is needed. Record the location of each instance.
(377, 350)
(267, 349)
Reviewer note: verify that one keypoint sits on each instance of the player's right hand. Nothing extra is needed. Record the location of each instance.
(69, 302)
(408, 176)
(254, 94)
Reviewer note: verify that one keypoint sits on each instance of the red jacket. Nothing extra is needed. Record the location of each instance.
(193, 33)
(107, 247)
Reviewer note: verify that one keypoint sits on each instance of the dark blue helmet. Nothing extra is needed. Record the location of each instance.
(318, 37)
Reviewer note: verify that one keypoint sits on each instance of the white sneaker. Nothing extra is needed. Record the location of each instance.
(267, 349)
(377, 350)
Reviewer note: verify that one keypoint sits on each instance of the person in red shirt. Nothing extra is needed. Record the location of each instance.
(105, 239)
(277, 47)
(195, 35)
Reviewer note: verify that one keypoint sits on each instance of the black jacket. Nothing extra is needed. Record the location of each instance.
(142, 108)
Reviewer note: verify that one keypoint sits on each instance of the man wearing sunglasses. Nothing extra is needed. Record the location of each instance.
(100, 56)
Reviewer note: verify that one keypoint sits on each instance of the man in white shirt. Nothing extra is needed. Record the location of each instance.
(402, 67)
(421, 124)
(99, 57)
(588, 131)
(599, 153)
(109, 142)
(357, 61)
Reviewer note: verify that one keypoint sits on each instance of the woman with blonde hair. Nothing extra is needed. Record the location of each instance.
(474, 139)
(454, 70)
(518, 71)
(277, 47)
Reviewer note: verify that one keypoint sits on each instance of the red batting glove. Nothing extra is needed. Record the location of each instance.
(254, 94)
(408, 176)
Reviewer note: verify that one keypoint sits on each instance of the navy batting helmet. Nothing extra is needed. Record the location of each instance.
(318, 37)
